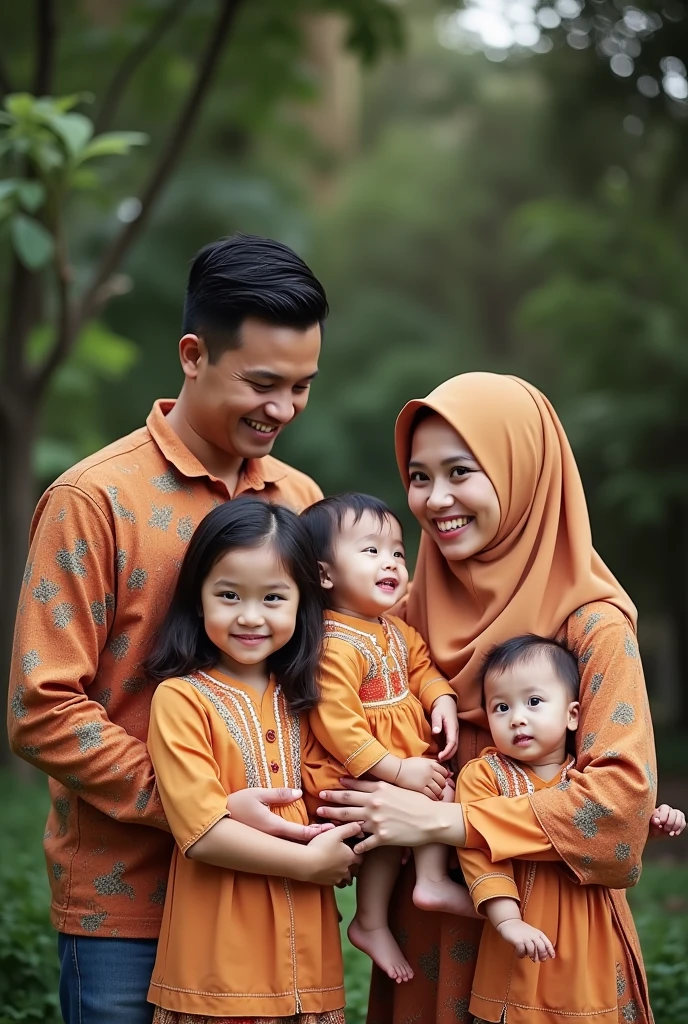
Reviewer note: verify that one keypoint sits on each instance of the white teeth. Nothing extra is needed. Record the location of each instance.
(452, 524)
(263, 428)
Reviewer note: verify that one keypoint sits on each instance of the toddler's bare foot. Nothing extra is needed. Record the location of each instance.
(443, 895)
(380, 945)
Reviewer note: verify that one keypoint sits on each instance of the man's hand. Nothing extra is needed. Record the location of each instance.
(444, 719)
(252, 807)
(422, 775)
(667, 821)
(526, 940)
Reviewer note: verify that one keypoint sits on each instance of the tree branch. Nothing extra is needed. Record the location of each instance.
(46, 35)
(113, 256)
(133, 60)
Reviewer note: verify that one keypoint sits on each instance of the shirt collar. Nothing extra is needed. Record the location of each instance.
(254, 475)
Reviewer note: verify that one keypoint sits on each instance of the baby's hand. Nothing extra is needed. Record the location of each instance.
(422, 775)
(444, 718)
(526, 940)
(667, 821)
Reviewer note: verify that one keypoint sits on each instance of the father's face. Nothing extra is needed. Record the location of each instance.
(242, 401)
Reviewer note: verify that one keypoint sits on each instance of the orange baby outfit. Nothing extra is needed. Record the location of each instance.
(377, 680)
(232, 943)
(585, 981)
(107, 540)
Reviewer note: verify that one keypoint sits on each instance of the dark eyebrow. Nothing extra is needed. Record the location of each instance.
(274, 378)
(270, 586)
(464, 457)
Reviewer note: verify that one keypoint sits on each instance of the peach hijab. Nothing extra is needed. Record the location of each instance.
(540, 567)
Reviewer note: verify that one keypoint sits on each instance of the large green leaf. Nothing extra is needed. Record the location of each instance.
(112, 144)
(33, 243)
(8, 187)
(75, 130)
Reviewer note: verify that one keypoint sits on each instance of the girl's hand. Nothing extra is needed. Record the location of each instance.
(329, 859)
(444, 719)
(252, 807)
(422, 775)
(393, 816)
(667, 821)
(526, 940)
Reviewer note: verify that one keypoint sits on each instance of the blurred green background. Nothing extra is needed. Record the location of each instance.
(495, 186)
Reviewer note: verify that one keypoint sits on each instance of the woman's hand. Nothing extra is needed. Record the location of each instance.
(393, 816)
(329, 861)
(444, 719)
(252, 807)
(667, 821)
(422, 775)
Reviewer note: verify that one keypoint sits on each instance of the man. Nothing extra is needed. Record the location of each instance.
(107, 539)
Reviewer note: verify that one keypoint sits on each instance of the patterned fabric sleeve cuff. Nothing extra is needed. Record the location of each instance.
(491, 886)
(365, 758)
(433, 689)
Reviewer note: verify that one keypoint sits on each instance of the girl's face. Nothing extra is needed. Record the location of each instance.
(449, 494)
(249, 604)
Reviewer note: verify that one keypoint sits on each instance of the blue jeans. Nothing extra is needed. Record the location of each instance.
(105, 981)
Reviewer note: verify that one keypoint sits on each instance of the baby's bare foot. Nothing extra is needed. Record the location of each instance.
(443, 895)
(380, 945)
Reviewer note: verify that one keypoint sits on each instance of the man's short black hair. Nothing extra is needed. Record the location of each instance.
(521, 650)
(248, 276)
(325, 518)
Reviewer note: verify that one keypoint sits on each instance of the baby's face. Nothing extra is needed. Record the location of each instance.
(368, 574)
(530, 710)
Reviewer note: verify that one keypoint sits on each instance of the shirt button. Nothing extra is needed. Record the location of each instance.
(274, 767)
(270, 736)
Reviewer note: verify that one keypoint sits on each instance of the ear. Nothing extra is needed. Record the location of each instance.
(573, 715)
(325, 581)
(192, 350)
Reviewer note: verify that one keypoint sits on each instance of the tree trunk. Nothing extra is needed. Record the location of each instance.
(17, 436)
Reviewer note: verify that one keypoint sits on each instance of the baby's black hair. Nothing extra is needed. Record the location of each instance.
(325, 519)
(182, 645)
(521, 650)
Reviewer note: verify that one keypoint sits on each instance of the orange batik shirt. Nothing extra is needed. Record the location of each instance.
(232, 943)
(107, 541)
(377, 682)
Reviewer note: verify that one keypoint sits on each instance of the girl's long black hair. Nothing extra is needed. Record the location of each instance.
(182, 645)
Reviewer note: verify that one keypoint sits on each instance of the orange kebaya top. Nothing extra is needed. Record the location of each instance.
(232, 943)
(377, 681)
(589, 978)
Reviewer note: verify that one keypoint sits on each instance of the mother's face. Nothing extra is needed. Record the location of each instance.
(449, 494)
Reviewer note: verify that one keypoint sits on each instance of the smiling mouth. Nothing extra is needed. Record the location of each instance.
(250, 639)
(389, 584)
(261, 428)
(446, 526)
(521, 740)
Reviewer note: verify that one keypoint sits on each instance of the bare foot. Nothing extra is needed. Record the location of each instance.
(443, 895)
(381, 946)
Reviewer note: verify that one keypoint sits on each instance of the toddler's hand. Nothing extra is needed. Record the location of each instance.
(667, 821)
(444, 718)
(422, 775)
(526, 940)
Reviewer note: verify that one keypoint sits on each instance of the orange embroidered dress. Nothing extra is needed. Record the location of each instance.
(235, 944)
(585, 981)
(377, 682)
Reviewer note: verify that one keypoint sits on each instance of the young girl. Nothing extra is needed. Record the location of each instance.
(377, 685)
(250, 923)
(537, 910)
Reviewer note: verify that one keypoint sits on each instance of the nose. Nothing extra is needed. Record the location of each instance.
(281, 408)
(389, 563)
(251, 615)
(440, 496)
(518, 718)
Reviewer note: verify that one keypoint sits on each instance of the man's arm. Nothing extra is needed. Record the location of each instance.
(65, 611)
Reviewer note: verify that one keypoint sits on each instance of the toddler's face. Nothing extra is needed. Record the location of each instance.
(529, 710)
(249, 604)
(368, 574)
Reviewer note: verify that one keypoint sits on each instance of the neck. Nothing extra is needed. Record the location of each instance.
(548, 766)
(255, 676)
(218, 463)
(355, 615)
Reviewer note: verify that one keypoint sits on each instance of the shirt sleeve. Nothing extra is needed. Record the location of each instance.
(339, 720)
(425, 681)
(180, 744)
(65, 608)
(506, 828)
(484, 879)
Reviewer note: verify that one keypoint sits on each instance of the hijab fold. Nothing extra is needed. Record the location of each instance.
(540, 567)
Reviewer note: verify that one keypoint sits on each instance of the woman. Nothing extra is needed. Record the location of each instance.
(506, 550)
